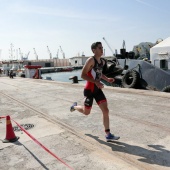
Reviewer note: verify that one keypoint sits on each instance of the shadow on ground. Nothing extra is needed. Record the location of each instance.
(158, 156)
(33, 155)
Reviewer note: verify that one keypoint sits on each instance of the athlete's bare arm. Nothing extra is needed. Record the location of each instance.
(110, 80)
(87, 67)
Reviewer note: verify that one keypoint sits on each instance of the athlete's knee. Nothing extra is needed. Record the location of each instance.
(106, 111)
(86, 112)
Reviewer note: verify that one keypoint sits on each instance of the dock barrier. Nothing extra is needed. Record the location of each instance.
(10, 135)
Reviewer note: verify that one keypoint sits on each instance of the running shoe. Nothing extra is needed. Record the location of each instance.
(72, 107)
(111, 137)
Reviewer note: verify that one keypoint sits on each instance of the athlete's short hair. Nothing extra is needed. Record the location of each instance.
(95, 44)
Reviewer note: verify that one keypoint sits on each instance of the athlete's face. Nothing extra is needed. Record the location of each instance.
(99, 50)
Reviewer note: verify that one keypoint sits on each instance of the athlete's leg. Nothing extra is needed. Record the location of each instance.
(82, 109)
(102, 102)
(79, 108)
(104, 107)
(86, 109)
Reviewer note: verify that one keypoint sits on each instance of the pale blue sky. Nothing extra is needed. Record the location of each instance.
(76, 24)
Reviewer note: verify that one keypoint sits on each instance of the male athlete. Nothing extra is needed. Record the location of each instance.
(92, 73)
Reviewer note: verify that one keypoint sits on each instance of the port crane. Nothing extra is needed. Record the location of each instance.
(26, 55)
(57, 54)
(16, 54)
(62, 52)
(109, 46)
(123, 45)
(36, 56)
(21, 54)
(11, 52)
(49, 52)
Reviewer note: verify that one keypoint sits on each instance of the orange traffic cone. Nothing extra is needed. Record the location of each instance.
(10, 135)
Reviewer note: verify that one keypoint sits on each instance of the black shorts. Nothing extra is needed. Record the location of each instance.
(98, 96)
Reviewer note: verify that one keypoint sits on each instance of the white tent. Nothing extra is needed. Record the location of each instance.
(160, 53)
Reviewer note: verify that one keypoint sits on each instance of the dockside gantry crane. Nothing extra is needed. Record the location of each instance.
(21, 54)
(36, 56)
(62, 52)
(49, 52)
(11, 55)
(109, 46)
(57, 53)
(26, 56)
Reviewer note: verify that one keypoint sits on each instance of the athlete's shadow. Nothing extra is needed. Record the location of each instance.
(158, 155)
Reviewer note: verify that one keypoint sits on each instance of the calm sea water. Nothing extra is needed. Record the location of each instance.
(64, 76)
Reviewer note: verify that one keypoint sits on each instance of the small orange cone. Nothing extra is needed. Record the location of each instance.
(10, 135)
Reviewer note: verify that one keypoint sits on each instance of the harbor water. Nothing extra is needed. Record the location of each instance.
(64, 76)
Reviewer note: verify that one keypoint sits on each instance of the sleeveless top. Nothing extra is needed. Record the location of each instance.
(96, 74)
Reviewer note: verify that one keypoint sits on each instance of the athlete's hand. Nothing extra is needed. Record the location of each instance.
(110, 80)
(99, 84)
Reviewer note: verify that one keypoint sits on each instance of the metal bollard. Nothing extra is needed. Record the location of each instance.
(74, 79)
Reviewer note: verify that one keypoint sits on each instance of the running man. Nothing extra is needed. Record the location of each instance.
(92, 73)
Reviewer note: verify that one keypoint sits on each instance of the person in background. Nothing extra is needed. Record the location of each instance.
(92, 73)
(11, 74)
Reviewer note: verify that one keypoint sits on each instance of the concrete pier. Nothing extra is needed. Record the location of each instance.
(140, 117)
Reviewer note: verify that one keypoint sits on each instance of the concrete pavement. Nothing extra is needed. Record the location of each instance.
(141, 118)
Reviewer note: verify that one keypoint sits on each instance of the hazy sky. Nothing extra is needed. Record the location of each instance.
(76, 24)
